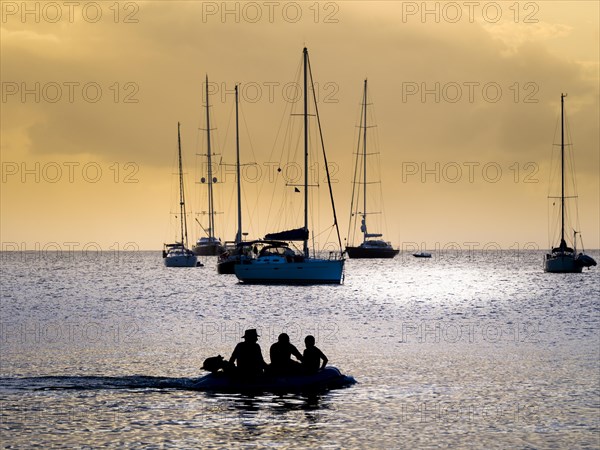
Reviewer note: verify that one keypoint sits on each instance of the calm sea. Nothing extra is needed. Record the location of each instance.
(466, 349)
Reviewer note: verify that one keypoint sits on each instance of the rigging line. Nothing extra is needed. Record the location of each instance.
(184, 235)
(553, 168)
(253, 155)
(353, 215)
(325, 159)
(291, 144)
(251, 214)
(229, 121)
(548, 226)
(572, 167)
(377, 166)
(273, 148)
(174, 191)
(222, 179)
(199, 149)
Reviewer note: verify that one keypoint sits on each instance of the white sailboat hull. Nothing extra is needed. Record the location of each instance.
(562, 263)
(181, 261)
(279, 271)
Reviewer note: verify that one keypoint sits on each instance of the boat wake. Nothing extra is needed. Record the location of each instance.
(329, 378)
(95, 383)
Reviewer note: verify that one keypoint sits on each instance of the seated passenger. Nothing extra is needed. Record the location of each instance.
(248, 355)
(312, 357)
(281, 357)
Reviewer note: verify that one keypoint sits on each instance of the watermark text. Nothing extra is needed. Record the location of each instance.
(54, 12)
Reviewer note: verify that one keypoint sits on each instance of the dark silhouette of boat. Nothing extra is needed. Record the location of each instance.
(371, 247)
(178, 254)
(209, 245)
(233, 251)
(324, 380)
(564, 259)
(422, 255)
(282, 265)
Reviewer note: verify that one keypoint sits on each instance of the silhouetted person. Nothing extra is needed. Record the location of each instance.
(247, 354)
(281, 356)
(312, 356)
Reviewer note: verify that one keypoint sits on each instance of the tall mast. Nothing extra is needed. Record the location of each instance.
(364, 227)
(182, 213)
(305, 52)
(562, 169)
(211, 213)
(238, 236)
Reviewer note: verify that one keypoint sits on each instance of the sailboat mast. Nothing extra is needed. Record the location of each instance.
(211, 217)
(182, 213)
(305, 53)
(562, 169)
(365, 165)
(238, 236)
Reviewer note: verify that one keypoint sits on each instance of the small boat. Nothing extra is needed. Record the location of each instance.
(564, 259)
(422, 255)
(228, 259)
(280, 264)
(209, 245)
(369, 248)
(372, 248)
(328, 378)
(177, 254)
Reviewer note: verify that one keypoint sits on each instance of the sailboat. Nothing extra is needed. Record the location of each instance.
(209, 245)
(371, 246)
(232, 253)
(564, 259)
(277, 262)
(177, 254)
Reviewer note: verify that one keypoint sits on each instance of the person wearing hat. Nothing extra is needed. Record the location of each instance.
(247, 355)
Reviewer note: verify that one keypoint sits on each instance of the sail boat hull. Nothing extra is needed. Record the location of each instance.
(371, 252)
(567, 262)
(208, 249)
(226, 267)
(174, 260)
(279, 271)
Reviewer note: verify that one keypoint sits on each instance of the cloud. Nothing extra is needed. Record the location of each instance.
(466, 92)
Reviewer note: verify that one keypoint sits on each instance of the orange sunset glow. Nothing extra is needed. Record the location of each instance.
(466, 101)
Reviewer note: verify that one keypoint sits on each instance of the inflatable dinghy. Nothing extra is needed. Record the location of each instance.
(328, 378)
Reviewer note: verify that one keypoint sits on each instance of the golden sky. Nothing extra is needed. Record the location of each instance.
(466, 96)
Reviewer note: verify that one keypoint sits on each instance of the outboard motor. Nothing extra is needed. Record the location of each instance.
(585, 260)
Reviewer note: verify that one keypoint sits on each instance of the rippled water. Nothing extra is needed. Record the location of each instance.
(465, 349)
